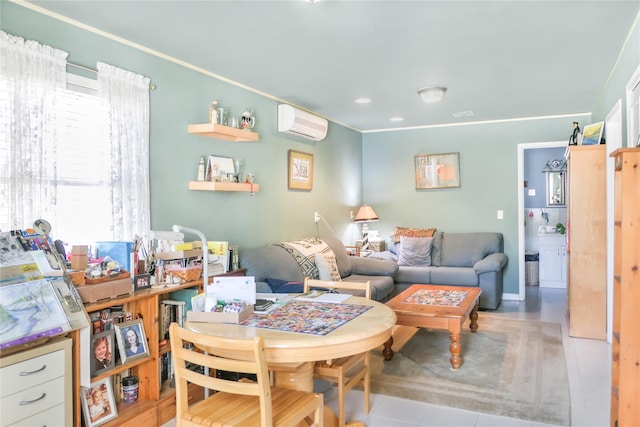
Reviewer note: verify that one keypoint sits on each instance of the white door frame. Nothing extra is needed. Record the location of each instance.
(521, 218)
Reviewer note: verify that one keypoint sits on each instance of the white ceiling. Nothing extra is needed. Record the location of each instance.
(499, 59)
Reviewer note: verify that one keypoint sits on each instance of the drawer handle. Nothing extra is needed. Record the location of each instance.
(28, 402)
(24, 374)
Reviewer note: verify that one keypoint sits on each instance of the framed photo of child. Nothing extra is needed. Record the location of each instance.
(132, 341)
(102, 352)
(98, 403)
(141, 281)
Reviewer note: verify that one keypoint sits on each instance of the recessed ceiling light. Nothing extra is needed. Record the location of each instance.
(362, 101)
(396, 119)
(462, 114)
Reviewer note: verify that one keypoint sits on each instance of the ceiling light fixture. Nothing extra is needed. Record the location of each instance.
(396, 119)
(362, 101)
(432, 94)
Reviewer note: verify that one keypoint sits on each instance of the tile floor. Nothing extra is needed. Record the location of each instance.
(589, 369)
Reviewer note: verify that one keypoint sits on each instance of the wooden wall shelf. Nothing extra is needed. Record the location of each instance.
(214, 130)
(223, 186)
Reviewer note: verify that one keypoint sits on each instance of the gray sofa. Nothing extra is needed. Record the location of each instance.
(462, 259)
(274, 263)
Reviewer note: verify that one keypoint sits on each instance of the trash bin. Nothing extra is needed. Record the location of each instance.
(531, 268)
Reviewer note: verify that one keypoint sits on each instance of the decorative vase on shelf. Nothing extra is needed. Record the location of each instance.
(239, 166)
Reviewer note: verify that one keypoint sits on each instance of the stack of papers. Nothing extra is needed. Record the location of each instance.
(323, 296)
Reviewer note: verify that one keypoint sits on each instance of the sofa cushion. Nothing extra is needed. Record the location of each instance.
(410, 274)
(381, 286)
(411, 232)
(342, 258)
(415, 251)
(465, 249)
(456, 276)
(279, 286)
(384, 255)
(270, 261)
(327, 266)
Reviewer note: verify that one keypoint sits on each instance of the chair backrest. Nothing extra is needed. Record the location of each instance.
(226, 354)
(352, 286)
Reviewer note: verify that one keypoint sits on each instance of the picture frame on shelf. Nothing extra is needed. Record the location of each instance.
(132, 340)
(300, 170)
(141, 281)
(435, 171)
(218, 168)
(103, 355)
(98, 403)
(593, 134)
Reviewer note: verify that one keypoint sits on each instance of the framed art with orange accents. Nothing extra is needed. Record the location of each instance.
(437, 171)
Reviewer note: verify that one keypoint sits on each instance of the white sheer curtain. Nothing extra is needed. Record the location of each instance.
(124, 99)
(31, 78)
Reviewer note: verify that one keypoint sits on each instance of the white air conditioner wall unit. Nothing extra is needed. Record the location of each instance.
(301, 123)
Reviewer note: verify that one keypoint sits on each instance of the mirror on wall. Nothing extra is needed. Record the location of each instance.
(556, 176)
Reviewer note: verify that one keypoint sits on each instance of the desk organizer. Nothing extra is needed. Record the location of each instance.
(98, 289)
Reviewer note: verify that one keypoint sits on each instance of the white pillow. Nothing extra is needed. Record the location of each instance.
(415, 251)
(327, 266)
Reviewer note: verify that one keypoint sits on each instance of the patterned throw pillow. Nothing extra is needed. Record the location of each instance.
(411, 232)
(327, 266)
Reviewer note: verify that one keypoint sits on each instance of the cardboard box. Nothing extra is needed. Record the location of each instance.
(218, 317)
(79, 262)
(77, 277)
(106, 290)
(79, 250)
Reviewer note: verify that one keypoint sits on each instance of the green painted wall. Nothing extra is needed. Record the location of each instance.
(182, 97)
(350, 168)
(488, 175)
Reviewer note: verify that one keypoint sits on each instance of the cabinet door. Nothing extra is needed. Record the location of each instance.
(549, 263)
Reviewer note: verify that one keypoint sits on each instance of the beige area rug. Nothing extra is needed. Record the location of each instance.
(511, 368)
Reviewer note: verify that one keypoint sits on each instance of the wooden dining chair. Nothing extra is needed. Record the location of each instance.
(349, 371)
(235, 403)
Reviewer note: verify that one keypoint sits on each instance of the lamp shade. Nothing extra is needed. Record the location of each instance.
(366, 214)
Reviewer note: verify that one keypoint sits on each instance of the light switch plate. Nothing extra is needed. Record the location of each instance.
(500, 214)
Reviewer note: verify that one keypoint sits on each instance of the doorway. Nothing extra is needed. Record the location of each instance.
(521, 207)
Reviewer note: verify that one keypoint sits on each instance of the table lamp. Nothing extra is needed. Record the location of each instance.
(365, 215)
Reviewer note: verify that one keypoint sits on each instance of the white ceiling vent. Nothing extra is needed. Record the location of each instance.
(301, 123)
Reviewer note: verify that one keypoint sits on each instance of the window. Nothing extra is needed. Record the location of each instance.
(82, 209)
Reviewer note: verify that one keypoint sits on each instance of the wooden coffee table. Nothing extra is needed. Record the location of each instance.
(437, 307)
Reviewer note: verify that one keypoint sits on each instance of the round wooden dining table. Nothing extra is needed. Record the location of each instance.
(291, 355)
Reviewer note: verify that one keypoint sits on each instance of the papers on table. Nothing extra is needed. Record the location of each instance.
(278, 301)
(323, 296)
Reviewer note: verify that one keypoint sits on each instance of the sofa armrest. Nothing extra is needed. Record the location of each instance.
(492, 262)
(373, 267)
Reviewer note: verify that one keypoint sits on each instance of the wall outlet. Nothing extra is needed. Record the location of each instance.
(352, 215)
(316, 217)
(500, 214)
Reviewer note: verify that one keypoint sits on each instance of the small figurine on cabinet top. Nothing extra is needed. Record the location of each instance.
(575, 136)
(247, 120)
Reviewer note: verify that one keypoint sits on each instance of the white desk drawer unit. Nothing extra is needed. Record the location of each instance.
(36, 386)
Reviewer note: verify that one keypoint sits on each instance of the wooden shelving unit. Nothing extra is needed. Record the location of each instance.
(214, 130)
(156, 401)
(625, 369)
(587, 242)
(223, 186)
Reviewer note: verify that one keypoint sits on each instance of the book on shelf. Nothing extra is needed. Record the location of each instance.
(172, 311)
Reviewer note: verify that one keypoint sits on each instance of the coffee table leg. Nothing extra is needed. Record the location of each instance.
(455, 347)
(473, 325)
(388, 352)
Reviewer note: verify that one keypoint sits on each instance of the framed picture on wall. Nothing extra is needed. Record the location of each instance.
(437, 171)
(300, 170)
